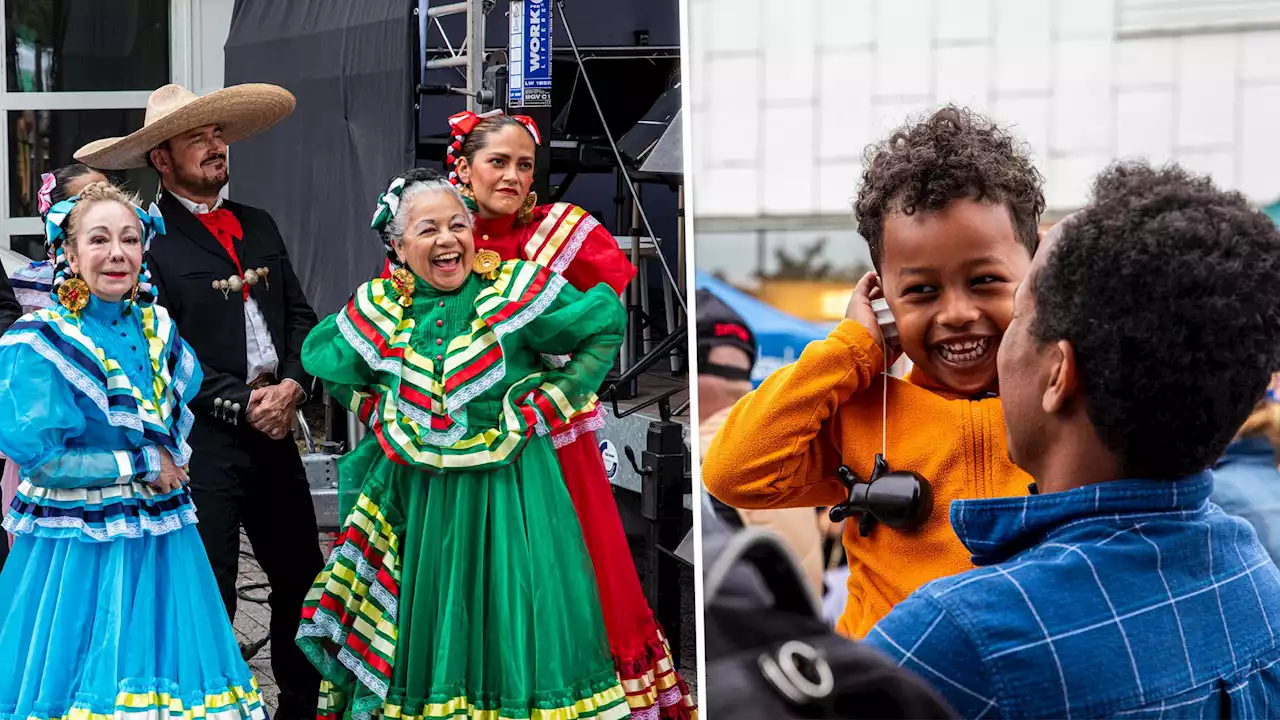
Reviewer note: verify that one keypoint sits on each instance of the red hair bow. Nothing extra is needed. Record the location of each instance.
(461, 124)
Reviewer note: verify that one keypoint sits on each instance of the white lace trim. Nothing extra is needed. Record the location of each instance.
(124, 528)
(376, 361)
(367, 351)
(151, 456)
(578, 429)
(649, 713)
(526, 315)
(91, 389)
(671, 696)
(370, 575)
(73, 375)
(368, 679)
(571, 246)
(433, 437)
(324, 626)
(29, 298)
(186, 368)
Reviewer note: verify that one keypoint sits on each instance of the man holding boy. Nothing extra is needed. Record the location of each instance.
(1147, 328)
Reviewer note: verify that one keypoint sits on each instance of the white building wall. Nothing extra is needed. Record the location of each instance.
(786, 95)
(211, 24)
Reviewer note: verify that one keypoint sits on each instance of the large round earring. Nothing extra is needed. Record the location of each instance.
(525, 213)
(73, 294)
(466, 192)
(402, 281)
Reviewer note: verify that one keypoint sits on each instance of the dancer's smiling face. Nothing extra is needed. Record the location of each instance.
(437, 243)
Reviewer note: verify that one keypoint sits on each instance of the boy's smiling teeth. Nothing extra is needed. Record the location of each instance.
(963, 352)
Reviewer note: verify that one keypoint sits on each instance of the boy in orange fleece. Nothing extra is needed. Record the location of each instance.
(950, 208)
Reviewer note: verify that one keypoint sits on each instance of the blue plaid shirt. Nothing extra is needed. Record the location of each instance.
(1127, 599)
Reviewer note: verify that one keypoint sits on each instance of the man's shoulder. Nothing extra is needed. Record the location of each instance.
(245, 212)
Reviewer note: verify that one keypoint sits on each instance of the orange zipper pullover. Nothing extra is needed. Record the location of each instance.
(781, 445)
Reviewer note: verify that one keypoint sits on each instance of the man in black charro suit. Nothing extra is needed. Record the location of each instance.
(224, 274)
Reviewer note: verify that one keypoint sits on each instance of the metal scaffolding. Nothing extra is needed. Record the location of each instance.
(468, 56)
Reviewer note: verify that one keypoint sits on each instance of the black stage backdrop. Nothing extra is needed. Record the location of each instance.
(318, 172)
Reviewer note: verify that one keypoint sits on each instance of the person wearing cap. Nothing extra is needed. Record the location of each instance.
(223, 272)
(726, 355)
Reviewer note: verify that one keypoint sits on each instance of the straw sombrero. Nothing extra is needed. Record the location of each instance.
(241, 110)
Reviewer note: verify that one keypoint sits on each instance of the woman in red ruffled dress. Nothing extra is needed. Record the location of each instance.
(492, 163)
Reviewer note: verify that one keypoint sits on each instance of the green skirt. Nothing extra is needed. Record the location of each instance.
(461, 594)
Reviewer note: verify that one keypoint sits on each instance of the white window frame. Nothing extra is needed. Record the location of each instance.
(182, 37)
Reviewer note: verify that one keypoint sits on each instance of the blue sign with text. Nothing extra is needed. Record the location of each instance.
(530, 51)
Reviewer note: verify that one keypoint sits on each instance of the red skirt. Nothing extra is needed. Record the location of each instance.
(640, 652)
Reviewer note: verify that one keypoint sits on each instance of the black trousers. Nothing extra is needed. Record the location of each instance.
(240, 477)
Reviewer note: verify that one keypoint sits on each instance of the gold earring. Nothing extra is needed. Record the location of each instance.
(466, 192)
(73, 294)
(525, 213)
(486, 264)
(402, 281)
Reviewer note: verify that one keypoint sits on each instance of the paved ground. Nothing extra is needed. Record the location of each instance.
(252, 621)
(251, 625)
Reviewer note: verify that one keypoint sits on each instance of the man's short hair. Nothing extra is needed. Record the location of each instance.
(1168, 289)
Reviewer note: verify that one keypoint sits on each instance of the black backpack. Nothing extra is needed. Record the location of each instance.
(770, 655)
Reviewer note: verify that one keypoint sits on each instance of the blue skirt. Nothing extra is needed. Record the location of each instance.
(132, 627)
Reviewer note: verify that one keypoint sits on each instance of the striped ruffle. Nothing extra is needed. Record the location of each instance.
(33, 285)
(98, 514)
(601, 699)
(164, 701)
(155, 415)
(418, 410)
(655, 691)
(559, 236)
(348, 627)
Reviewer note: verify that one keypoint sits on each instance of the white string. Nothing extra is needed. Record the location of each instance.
(884, 412)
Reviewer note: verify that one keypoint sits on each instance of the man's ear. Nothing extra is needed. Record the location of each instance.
(1064, 378)
(159, 159)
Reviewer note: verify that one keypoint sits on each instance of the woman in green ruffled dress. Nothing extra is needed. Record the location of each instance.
(460, 585)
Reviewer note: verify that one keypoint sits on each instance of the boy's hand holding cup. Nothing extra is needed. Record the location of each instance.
(869, 309)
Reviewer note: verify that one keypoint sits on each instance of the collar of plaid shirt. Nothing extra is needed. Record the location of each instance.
(996, 529)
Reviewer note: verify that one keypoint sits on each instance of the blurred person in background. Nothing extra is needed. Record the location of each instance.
(33, 284)
(1246, 482)
(726, 354)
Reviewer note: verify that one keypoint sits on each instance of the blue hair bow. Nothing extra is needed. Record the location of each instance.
(152, 222)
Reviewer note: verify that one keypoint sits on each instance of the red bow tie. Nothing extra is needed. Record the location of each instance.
(226, 228)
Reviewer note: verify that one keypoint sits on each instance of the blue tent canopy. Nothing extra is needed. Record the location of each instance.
(1273, 211)
(779, 337)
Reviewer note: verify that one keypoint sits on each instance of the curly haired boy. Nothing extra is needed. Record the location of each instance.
(949, 207)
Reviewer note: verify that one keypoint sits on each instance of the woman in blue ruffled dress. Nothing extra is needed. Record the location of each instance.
(108, 606)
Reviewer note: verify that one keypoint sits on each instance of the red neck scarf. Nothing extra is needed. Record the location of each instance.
(226, 228)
